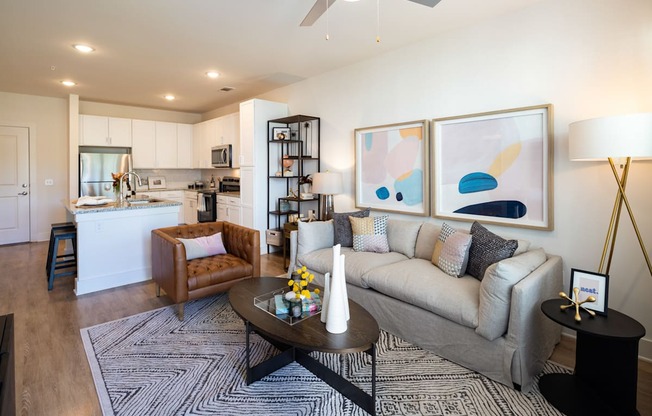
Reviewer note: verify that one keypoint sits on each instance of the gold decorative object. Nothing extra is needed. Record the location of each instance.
(576, 304)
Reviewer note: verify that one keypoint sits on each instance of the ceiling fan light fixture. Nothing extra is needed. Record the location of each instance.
(83, 48)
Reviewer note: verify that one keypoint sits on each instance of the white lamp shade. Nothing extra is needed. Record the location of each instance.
(327, 183)
(616, 137)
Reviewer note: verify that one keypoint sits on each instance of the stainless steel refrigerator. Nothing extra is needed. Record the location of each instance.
(96, 166)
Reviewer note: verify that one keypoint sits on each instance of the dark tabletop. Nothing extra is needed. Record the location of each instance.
(614, 325)
(309, 334)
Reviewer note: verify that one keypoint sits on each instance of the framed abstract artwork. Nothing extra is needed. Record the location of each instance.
(495, 167)
(391, 168)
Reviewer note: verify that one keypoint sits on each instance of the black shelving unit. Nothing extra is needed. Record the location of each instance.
(299, 144)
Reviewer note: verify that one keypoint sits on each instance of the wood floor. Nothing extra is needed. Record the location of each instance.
(52, 373)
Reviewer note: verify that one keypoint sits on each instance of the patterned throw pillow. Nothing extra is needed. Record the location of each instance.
(370, 234)
(343, 232)
(451, 252)
(486, 249)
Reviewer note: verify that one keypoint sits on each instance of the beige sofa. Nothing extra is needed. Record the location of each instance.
(494, 326)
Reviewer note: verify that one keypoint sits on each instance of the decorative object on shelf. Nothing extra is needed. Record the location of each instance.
(283, 205)
(327, 184)
(281, 133)
(623, 138)
(338, 302)
(577, 304)
(495, 167)
(156, 182)
(307, 140)
(391, 168)
(590, 284)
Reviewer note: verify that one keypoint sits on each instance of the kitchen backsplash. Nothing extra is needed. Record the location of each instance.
(181, 178)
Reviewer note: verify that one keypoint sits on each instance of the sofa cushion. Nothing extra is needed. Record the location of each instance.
(402, 236)
(428, 234)
(421, 284)
(356, 265)
(496, 291)
(486, 249)
(203, 246)
(370, 234)
(343, 232)
(451, 253)
(314, 235)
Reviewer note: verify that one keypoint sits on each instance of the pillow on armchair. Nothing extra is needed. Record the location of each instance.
(203, 246)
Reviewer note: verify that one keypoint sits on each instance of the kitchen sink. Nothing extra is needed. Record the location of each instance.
(140, 201)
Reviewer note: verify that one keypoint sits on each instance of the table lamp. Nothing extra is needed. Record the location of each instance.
(327, 184)
(624, 137)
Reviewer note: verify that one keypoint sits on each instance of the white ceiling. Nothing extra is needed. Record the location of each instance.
(148, 48)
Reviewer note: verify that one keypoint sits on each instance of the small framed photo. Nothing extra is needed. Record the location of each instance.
(591, 284)
(156, 182)
(280, 133)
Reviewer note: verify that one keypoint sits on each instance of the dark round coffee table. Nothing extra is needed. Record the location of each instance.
(298, 340)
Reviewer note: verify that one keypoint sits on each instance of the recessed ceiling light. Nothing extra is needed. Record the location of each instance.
(83, 48)
(169, 97)
(69, 83)
(212, 74)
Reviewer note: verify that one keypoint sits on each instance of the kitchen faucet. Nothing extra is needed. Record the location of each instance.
(131, 172)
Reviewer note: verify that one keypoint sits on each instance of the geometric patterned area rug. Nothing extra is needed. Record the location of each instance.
(153, 364)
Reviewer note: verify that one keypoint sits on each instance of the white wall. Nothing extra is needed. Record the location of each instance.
(588, 58)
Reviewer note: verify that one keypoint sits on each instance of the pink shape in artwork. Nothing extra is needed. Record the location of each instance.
(374, 153)
(401, 158)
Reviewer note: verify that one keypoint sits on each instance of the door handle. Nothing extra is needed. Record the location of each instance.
(22, 193)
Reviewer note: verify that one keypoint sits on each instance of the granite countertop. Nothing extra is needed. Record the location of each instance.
(112, 206)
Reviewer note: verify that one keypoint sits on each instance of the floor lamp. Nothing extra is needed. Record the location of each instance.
(625, 137)
(327, 184)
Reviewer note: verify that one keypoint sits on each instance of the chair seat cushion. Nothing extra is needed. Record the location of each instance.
(208, 271)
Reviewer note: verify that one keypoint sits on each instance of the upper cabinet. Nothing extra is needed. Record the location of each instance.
(104, 131)
(162, 145)
(215, 132)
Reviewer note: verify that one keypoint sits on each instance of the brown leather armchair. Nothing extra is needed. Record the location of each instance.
(184, 280)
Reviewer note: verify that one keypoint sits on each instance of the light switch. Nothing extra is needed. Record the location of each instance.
(49, 182)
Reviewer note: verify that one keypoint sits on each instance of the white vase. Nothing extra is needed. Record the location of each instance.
(337, 303)
(325, 296)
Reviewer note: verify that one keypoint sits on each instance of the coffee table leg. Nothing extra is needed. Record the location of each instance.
(249, 375)
(373, 374)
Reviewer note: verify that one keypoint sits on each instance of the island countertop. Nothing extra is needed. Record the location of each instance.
(114, 206)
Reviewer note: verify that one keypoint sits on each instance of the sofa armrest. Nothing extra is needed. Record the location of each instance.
(530, 335)
(169, 268)
(244, 243)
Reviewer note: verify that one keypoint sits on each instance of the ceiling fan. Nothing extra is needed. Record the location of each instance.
(320, 7)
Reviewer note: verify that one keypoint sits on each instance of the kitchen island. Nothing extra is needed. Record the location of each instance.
(114, 242)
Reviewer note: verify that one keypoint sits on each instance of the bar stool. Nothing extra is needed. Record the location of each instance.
(56, 226)
(64, 261)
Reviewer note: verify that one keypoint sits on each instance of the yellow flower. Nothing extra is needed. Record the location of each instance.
(305, 275)
(303, 283)
(304, 268)
(306, 293)
(290, 282)
(317, 291)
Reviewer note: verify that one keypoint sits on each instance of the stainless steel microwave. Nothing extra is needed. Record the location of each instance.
(221, 156)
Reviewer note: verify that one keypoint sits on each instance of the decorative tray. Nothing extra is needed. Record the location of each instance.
(275, 304)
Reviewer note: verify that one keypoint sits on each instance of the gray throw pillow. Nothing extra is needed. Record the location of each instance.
(486, 249)
(342, 225)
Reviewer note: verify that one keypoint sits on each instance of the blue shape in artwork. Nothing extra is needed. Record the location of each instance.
(399, 196)
(502, 209)
(368, 141)
(477, 182)
(382, 193)
(410, 187)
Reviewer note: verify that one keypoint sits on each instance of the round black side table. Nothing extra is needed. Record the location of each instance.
(606, 364)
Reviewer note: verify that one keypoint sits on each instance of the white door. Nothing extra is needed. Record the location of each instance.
(14, 185)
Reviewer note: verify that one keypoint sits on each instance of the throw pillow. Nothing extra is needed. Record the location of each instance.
(370, 234)
(428, 235)
(486, 249)
(314, 236)
(343, 232)
(203, 246)
(451, 251)
(402, 236)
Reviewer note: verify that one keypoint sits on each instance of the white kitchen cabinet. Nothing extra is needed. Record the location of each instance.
(215, 132)
(144, 144)
(176, 196)
(184, 146)
(190, 207)
(254, 115)
(104, 131)
(166, 145)
(229, 209)
(202, 147)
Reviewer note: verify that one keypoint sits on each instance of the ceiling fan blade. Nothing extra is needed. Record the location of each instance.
(429, 3)
(317, 10)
